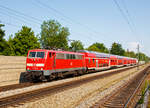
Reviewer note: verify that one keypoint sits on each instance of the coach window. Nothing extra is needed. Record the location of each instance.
(60, 56)
(80, 57)
(70, 56)
(93, 60)
(74, 56)
(67, 56)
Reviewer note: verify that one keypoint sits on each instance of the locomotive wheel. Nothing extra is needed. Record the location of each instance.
(80, 72)
(75, 74)
(50, 78)
(60, 75)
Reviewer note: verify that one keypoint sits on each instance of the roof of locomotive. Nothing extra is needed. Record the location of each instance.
(57, 51)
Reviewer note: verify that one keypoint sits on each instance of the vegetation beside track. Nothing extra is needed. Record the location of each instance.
(54, 36)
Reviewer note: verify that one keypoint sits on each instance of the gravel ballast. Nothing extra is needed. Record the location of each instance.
(85, 95)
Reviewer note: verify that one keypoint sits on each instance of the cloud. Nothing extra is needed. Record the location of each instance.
(132, 46)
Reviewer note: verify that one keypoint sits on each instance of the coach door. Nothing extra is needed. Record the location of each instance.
(96, 63)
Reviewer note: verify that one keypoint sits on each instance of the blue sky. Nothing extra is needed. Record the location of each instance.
(88, 20)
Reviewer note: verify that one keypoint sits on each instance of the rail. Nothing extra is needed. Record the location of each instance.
(134, 93)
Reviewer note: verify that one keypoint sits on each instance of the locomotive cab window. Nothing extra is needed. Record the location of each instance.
(40, 54)
(36, 55)
(32, 54)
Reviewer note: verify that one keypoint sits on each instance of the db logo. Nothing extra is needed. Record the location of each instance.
(71, 63)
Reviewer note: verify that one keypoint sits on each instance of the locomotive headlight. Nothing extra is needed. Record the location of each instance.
(41, 68)
(39, 64)
(29, 64)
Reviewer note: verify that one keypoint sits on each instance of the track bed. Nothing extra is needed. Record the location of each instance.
(37, 94)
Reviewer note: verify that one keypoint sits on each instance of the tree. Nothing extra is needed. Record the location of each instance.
(117, 49)
(53, 35)
(99, 47)
(2, 40)
(76, 45)
(9, 49)
(23, 41)
(142, 57)
(130, 54)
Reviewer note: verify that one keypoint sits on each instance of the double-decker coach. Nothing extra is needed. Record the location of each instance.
(96, 60)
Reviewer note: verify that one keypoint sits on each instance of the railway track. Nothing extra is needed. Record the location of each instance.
(36, 94)
(126, 96)
(28, 84)
(16, 86)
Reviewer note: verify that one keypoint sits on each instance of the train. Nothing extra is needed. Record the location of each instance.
(45, 65)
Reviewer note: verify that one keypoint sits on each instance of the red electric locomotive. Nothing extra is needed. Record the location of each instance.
(47, 64)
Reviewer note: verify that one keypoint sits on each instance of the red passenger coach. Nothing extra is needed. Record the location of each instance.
(113, 61)
(46, 64)
(95, 60)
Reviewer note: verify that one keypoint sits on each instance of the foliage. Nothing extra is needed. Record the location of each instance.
(53, 35)
(2, 40)
(145, 87)
(130, 54)
(142, 57)
(99, 47)
(117, 49)
(23, 41)
(9, 50)
(76, 45)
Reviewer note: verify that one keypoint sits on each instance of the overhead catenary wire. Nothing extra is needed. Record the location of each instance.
(17, 18)
(124, 16)
(10, 24)
(90, 29)
(130, 19)
(22, 15)
(128, 13)
(132, 24)
(64, 18)
(60, 13)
